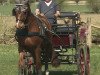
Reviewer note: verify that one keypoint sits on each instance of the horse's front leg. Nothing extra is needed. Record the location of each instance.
(37, 60)
(21, 59)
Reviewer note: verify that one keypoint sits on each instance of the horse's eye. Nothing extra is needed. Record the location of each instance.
(25, 12)
(25, 7)
(17, 8)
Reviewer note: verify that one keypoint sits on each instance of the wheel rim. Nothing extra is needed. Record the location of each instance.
(27, 68)
(82, 62)
(30, 69)
(88, 61)
(22, 71)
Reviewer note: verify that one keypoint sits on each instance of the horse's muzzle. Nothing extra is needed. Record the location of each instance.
(20, 25)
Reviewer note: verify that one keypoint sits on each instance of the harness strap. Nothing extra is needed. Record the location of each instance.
(41, 25)
(33, 34)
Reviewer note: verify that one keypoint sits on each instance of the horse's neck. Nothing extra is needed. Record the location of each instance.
(45, 21)
(33, 25)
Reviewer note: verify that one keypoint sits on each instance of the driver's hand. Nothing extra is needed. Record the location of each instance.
(57, 14)
(42, 14)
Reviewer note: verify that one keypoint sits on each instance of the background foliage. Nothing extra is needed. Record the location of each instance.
(95, 5)
(7, 21)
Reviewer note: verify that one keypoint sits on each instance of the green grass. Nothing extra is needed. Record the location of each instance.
(95, 60)
(76, 8)
(7, 9)
(9, 60)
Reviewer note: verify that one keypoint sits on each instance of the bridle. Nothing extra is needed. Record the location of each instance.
(21, 9)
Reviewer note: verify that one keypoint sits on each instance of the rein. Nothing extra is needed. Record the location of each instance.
(39, 23)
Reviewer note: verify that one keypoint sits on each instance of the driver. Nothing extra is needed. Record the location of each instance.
(50, 9)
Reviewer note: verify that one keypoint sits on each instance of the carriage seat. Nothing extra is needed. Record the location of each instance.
(70, 26)
(63, 29)
(74, 15)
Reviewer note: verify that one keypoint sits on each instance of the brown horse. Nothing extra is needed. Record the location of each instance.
(36, 37)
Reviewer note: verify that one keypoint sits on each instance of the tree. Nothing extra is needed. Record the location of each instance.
(2, 1)
(11, 1)
(94, 5)
(77, 1)
(61, 3)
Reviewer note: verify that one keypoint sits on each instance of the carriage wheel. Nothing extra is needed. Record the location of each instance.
(22, 70)
(87, 61)
(46, 59)
(27, 70)
(46, 68)
(28, 67)
(81, 62)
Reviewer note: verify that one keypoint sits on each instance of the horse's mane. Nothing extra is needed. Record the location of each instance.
(29, 9)
(45, 21)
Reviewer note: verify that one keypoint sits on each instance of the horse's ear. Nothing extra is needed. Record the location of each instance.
(13, 12)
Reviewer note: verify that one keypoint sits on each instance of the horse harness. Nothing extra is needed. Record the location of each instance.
(24, 31)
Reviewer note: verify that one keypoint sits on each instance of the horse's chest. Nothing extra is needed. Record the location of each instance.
(31, 41)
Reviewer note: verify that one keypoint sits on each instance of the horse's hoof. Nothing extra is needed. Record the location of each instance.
(55, 63)
(47, 73)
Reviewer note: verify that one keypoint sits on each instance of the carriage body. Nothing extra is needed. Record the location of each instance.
(67, 33)
(64, 38)
(69, 41)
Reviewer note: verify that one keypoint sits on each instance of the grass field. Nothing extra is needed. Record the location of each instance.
(9, 60)
(7, 8)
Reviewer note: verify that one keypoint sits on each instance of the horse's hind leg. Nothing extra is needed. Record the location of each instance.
(55, 61)
(38, 61)
(52, 55)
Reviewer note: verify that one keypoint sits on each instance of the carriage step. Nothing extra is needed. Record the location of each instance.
(58, 50)
(61, 51)
(64, 62)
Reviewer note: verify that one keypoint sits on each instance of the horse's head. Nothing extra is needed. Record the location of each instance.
(21, 12)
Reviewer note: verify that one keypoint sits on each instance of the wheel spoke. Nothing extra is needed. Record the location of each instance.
(87, 61)
(81, 62)
(28, 67)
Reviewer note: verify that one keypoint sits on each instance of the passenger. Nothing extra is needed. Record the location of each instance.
(50, 9)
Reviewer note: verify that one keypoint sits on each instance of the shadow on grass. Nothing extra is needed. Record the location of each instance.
(62, 73)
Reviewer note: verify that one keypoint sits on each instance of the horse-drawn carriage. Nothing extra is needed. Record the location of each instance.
(67, 37)
(68, 41)
(71, 37)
